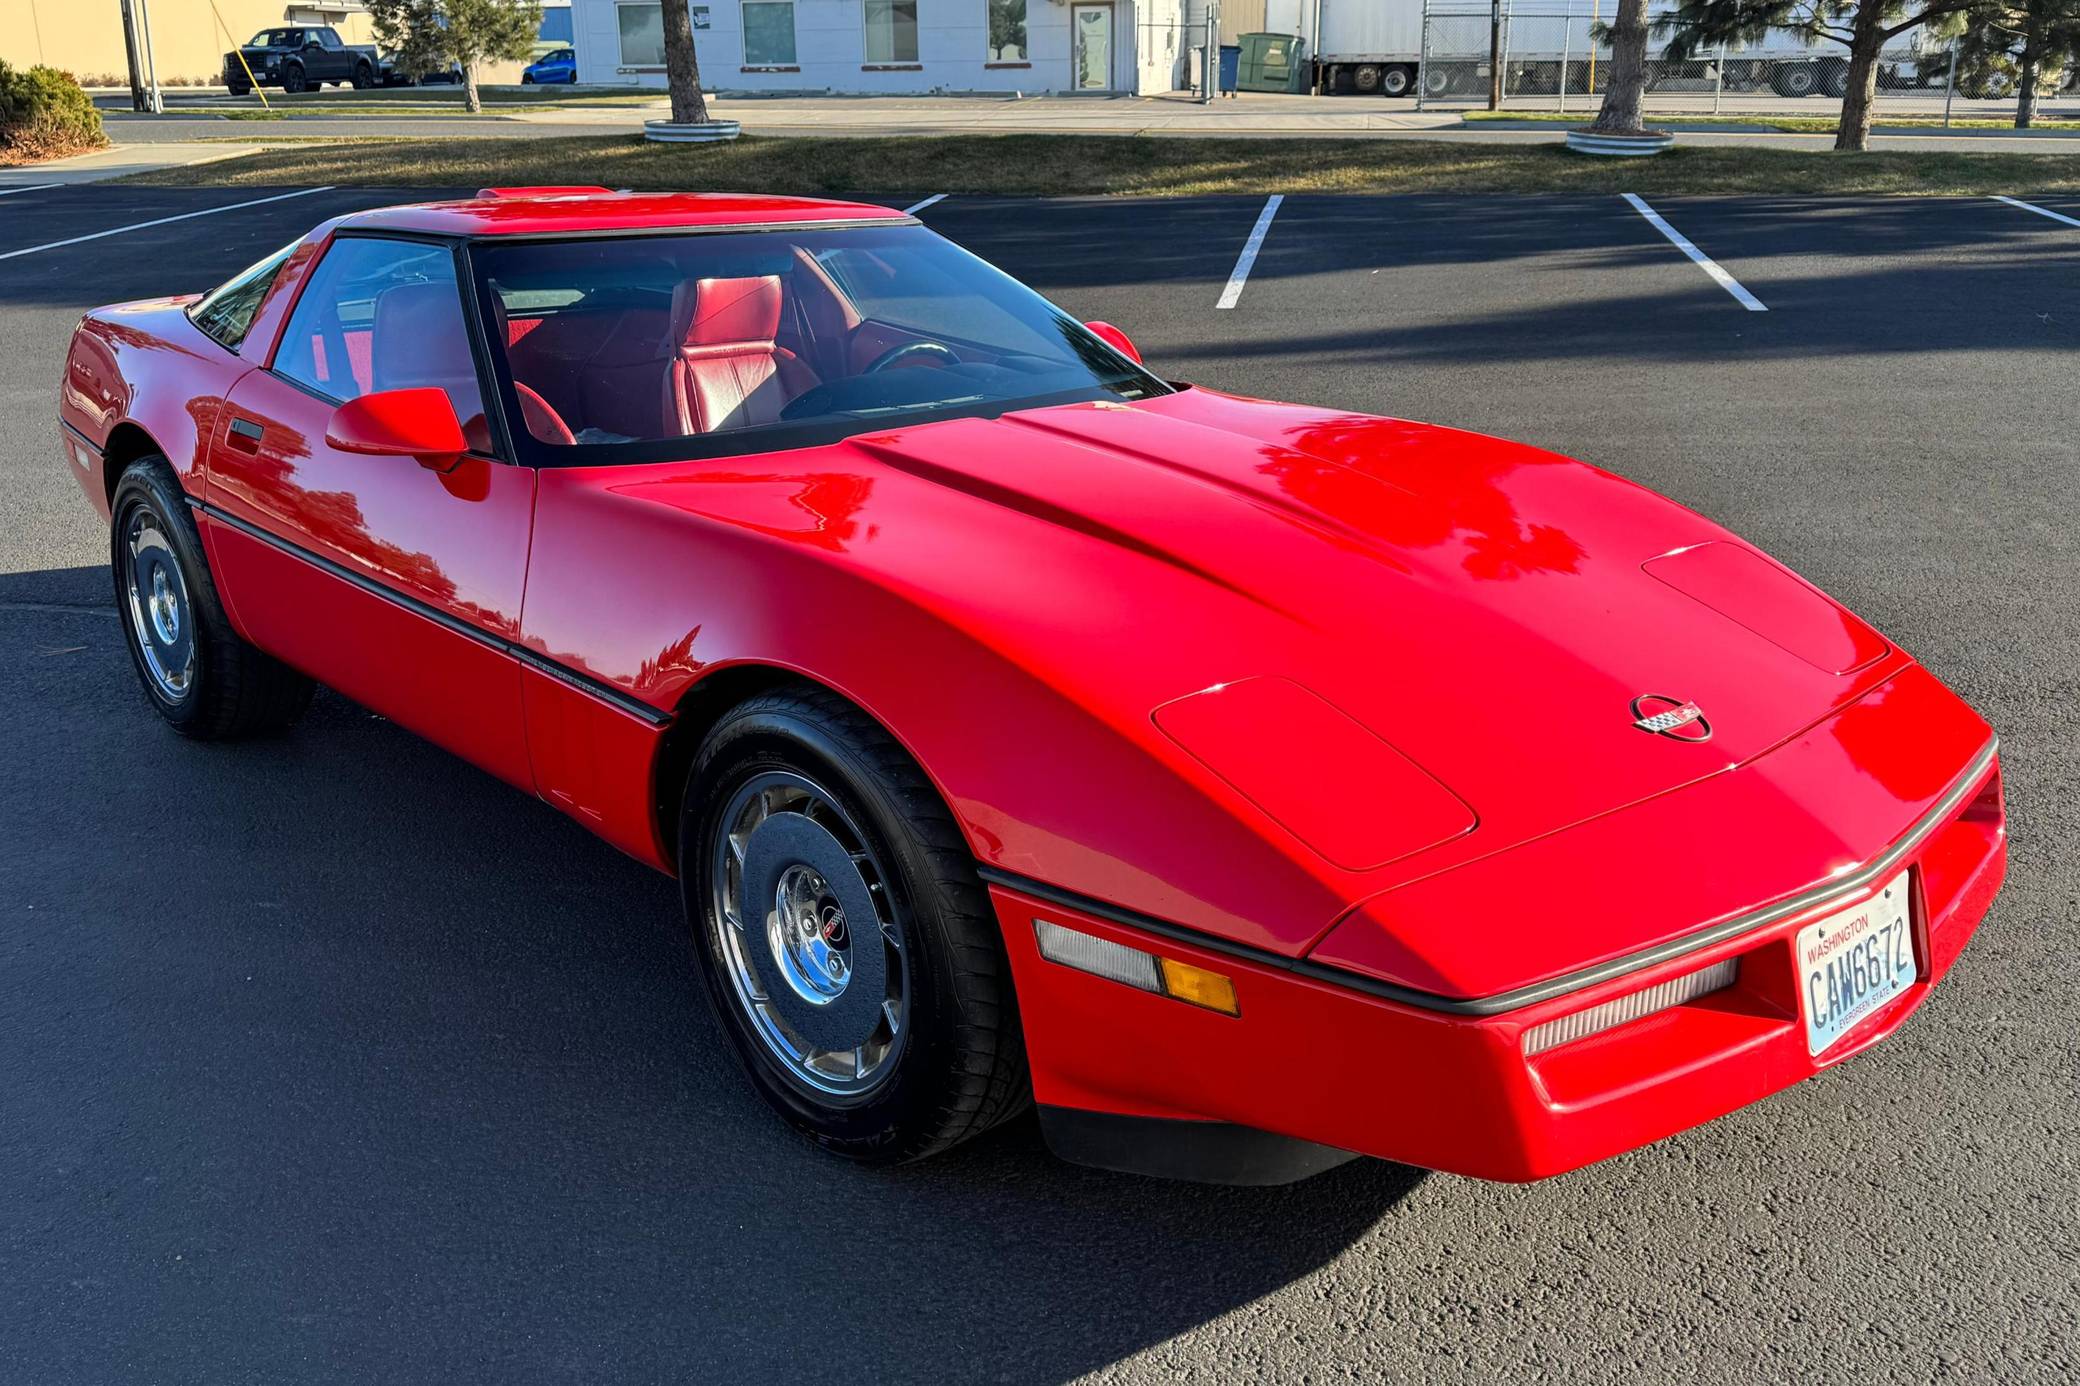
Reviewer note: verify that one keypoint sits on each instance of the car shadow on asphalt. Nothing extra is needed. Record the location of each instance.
(338, 1050)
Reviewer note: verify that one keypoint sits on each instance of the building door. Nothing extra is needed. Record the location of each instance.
(1239, 17)
(1091, 46)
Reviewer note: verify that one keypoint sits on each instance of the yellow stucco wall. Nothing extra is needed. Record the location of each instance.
(85, 37)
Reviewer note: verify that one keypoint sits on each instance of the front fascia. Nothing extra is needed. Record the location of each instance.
(1317, 1061)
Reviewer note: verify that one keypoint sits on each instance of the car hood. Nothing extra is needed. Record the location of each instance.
(1240, 665)
(1488, 611)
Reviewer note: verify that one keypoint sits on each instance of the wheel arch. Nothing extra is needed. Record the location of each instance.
(127, 442)
(707, 702)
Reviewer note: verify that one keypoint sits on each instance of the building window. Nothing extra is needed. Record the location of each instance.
(642, 35)
(1007, 31)
(769, 33)
(891, 31)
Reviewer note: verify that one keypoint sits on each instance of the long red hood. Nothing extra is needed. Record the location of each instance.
(1480, 606)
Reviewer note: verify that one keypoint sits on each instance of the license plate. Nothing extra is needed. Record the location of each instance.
(1853, 962)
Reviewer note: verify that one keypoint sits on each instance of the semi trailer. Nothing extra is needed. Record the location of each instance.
(1376, 48)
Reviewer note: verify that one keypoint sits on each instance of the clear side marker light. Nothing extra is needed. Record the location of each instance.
(1144, 971)
(1100, 957)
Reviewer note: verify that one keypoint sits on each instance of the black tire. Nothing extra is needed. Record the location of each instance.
(364, 76)
(230, 689)
(959, 1067)
(293, 80)
(1796, 80)
(1436, 80)
(1396, 80)
(1834, 79)
(239, 88)
(1365, 80)
(527, 79)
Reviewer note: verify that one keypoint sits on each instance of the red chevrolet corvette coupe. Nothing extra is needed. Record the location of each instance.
(1248, 784)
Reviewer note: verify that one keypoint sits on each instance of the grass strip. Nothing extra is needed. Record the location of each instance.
(1150, 166)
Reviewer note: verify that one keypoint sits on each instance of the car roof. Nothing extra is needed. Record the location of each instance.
(562, 210)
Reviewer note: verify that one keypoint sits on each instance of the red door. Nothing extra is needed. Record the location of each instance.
(397, 584)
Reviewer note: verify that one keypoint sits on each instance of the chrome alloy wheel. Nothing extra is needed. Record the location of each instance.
(808, 934)
(161, 620)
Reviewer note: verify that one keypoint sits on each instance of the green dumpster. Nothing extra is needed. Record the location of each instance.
(1272, 62)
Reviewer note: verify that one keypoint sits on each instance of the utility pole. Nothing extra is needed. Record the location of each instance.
(1495, 55)
(130, 50)
(154, 102)
(137, 47)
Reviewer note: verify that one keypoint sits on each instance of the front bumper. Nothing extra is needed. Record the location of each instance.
(1319, 1061)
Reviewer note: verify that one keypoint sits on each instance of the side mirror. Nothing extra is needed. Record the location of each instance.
(417, 423)
(1118, 340)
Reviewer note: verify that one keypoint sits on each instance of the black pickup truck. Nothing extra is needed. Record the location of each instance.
(301, 58)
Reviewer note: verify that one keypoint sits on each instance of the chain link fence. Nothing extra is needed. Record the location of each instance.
(1555, 55)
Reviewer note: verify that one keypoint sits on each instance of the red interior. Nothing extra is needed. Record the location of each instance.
(720, 354)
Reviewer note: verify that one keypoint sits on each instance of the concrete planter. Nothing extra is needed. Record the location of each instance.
(708, 132)
(1620, 146)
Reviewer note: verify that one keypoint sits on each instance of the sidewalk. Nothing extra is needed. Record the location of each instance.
(120, 160)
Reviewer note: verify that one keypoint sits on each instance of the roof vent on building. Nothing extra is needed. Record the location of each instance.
(570, 191)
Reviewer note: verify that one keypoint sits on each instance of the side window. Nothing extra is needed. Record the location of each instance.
(383, 314)
(328, 39)
(226, 312)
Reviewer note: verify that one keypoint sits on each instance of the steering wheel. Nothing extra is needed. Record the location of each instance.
(943, 355)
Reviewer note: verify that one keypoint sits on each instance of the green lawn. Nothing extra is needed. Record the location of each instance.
(1144, 166)
(1819, 125)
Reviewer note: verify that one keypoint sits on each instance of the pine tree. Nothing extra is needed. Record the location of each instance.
(1864, 27)
(425, 36)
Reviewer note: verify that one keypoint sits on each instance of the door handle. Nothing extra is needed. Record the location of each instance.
(245, 435)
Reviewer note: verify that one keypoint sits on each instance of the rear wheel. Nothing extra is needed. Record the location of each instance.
(1796, 80)
(1396, 81)
(1365, 80)
(199, 675)
(364, 76)
(1834, 79)
(846, 943)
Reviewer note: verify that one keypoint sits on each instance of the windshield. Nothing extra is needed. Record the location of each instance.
(649, 347)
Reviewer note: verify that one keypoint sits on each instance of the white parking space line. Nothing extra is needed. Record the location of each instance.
(32, 187)
(2040, 211)
(935, 197)
(1704, 261)
(1250, 248)
(162, 221)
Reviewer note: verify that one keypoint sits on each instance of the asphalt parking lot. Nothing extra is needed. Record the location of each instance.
(329, 1058)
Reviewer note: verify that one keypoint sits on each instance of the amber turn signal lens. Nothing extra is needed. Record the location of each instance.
(1200, 987)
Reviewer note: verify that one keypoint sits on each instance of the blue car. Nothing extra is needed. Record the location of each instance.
(558, 65)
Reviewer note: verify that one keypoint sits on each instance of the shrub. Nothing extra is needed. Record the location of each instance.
(44, 114)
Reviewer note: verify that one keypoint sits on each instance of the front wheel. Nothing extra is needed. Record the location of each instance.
(293, 79)
(200, 676)
(847, 946)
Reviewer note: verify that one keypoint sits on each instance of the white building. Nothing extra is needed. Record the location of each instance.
(895, 46)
